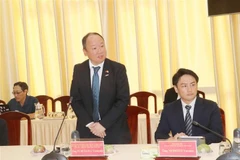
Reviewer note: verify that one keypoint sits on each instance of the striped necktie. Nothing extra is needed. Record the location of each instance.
(188, 121)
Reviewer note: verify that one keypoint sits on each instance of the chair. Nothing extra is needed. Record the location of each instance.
(223, 121)
(13, 120)
(44, 99)
(142, 99)
(64, 100)
(2, 102)
(132, 113)
(201, 94)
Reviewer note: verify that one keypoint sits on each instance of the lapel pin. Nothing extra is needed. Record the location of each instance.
(106, 73)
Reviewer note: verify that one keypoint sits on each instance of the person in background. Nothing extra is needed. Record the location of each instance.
(21, 101)
(103, 117)
(177, 116)
(3, 133)
(170, 96)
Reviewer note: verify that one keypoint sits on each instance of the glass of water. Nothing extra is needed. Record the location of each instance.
(224, 147)
(65, 150)
(39, 111)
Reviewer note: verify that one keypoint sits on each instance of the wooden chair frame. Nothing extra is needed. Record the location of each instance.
(13, 120)
(142, 99)
(43, 99)
(223, 121)
(132, 113)
(2, 102)
(64, 100)
(201, 94)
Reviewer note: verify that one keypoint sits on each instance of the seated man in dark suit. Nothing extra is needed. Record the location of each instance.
(3, 133)
(177, 116)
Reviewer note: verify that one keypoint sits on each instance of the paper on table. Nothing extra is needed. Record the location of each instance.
(190, 137)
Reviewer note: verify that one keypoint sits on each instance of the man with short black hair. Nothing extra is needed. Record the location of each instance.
(22, 102)
(177, 116)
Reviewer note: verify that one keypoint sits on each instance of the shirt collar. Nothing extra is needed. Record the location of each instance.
(191, 104)
(91, 65)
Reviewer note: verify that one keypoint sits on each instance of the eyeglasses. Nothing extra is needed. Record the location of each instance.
(17, 93)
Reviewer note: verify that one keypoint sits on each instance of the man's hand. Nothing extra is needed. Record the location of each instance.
(176, 136)
(97, 129)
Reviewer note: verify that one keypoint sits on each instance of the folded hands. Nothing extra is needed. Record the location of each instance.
(97, 129)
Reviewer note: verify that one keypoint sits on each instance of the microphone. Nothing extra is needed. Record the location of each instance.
(227, 156)
(54, 155)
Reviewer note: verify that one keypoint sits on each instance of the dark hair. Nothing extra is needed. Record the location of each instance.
(23, 85)
(181, 72)
(84, 39)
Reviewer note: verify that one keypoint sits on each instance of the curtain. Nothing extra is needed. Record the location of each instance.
(40, 42)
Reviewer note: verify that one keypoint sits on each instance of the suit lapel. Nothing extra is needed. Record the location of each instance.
(106, 76)
(179, 115)
(87, 79)
(197, 112)
(87, 85)
(197, 109)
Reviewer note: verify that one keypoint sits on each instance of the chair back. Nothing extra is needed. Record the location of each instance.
(142, 99)
(13, 120)
(45, 100)
(201, 94)
(64, 100)
(223, 121)
(2, 102)
(132, 113)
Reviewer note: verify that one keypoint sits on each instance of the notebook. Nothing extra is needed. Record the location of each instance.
(4, 108)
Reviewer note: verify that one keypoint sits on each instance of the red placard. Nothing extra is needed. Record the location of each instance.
(177, 148)
(87, 148)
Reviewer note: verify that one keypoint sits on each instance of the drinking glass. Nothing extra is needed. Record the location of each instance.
(224, 147)
(65, 149)
(39, 111)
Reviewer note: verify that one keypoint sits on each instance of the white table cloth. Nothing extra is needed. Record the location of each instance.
(129, 152)
(44, 131)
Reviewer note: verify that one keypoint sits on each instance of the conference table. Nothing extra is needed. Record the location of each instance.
(129, 152)
(45, 130)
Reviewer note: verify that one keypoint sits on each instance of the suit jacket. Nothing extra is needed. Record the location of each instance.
(206, 113)
(3, 133)
(113, 101)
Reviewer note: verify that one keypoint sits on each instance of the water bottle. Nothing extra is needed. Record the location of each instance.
(75, 136)
(236, 140)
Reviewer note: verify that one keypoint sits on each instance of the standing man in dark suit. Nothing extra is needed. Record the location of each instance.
(111, 122)
(3, 133)
(189, 107)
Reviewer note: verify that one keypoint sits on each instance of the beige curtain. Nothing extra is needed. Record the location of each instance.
(40, 42)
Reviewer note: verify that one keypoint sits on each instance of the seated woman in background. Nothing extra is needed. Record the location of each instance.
(3, 133)
(21, 101)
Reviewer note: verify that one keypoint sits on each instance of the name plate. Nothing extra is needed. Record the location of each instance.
(87, 148)
(177, 148)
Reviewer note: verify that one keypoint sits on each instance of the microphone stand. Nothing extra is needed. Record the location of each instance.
(54, 155)
(217, 134)
(227, 156)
